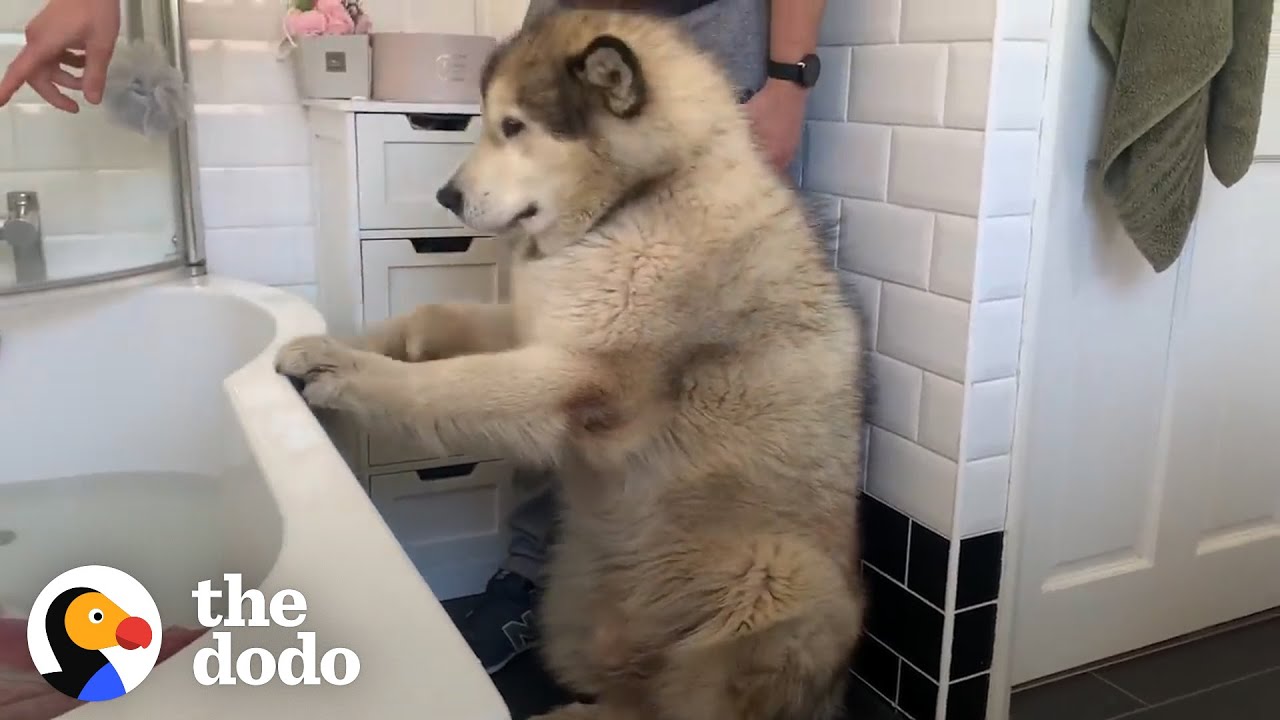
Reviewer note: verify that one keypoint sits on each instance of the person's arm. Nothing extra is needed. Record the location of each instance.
(777, 110)
(793, 29)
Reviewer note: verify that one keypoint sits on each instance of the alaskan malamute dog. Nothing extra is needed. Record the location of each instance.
(677, 348)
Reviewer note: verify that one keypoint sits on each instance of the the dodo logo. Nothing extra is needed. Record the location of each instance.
(94, 633)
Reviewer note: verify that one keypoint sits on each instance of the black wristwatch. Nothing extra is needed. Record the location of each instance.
(804, 73)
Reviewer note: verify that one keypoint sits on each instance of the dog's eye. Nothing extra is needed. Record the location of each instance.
(511, 127)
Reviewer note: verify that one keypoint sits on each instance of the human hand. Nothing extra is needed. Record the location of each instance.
(66, 34)
(777, 118)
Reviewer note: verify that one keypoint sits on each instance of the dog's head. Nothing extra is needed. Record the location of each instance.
(580, 108)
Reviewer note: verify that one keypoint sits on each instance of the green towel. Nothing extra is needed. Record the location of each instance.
(1189, 77)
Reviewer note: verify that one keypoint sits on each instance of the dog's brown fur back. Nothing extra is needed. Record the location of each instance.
(678, 348)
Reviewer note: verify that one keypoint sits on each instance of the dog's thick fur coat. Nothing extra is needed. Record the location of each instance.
(678, 348)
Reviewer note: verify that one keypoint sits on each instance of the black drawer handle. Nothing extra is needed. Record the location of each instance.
(448, 471)
(443, 122)
(423, 246)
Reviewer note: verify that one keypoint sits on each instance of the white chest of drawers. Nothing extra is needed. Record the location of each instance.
(383, 247)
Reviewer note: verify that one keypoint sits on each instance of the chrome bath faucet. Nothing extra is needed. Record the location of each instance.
(21, 229)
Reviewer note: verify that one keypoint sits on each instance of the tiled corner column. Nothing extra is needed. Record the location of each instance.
(922, 139)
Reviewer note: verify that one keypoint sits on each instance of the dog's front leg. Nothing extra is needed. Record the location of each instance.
(433, 332)
(523, 401)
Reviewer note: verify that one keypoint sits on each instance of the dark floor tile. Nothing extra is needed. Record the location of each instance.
(1256, 698)
(974, 643)
(927, 564)
(917, 695)
(904, 622)
(862, 703)
(876, 665)
(1201, 664)
(1083, 697)
(981, 561)
(884, 537)
(967, 699)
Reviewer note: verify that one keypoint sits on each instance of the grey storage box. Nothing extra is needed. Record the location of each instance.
(333, 66)
(429, 67)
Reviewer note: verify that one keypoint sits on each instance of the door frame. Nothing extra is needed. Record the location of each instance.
(1001, 687)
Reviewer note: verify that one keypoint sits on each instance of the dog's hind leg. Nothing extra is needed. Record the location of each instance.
(776, 647)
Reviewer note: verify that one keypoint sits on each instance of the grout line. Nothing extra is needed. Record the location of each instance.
(1130, 695)
(873, 689)
(897, 685)
(1181, 698)
(903, 662)
(967, 608)
(911, 592)
(906, 570)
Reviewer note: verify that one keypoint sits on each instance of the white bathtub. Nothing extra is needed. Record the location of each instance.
(142, 426)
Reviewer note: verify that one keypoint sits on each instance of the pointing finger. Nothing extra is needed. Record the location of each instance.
(20, 70)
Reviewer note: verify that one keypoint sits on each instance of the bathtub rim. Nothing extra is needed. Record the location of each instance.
(318, 498)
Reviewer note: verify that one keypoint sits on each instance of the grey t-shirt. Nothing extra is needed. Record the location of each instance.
(734, 31)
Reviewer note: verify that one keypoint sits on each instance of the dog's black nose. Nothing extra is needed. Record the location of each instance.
(450, 197)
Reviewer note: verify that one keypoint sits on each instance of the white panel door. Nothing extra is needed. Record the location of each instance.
(1152, 466)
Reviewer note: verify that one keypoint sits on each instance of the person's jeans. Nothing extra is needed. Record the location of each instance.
(532, 525)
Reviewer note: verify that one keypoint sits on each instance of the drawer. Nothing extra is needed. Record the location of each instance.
(437, 505)
(401, 274)
(402, 159)
(391, 448)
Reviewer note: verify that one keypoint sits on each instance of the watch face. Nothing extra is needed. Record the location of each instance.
(810, 70)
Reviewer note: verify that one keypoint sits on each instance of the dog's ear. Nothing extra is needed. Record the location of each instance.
(609, 68)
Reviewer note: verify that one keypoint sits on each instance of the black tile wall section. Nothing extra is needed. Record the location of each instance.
(906, 624)
(980, 563)
(927, 565)
(973, 641)
(967, 699)
(917, 695)
(877, 666)
(905, 569)
(884, 538)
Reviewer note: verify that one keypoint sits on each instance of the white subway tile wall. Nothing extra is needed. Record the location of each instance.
(935, 161)
(1010, 184)
(908, 159)
(941, 413)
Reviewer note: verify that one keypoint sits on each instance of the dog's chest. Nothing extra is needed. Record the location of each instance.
(585, 296)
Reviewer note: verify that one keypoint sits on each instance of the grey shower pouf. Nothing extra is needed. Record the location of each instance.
(144, 92)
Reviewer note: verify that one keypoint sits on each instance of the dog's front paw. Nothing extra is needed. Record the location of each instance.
(323, 365)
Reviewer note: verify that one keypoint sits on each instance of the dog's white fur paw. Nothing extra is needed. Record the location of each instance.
(324, 365)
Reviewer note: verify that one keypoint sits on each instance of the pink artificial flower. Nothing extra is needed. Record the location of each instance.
(302, 23)
(338, 20)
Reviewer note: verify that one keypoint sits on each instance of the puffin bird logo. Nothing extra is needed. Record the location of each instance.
(89, 645)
